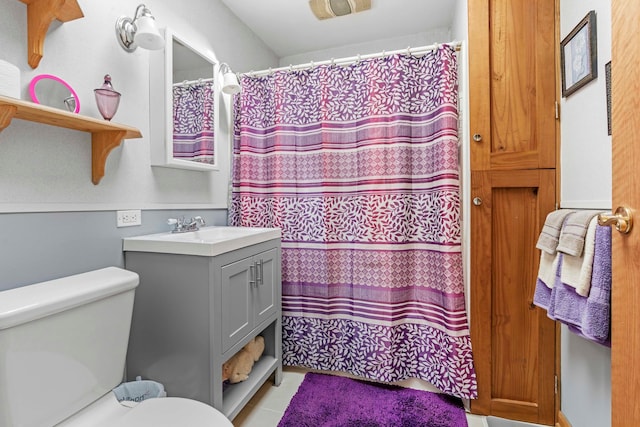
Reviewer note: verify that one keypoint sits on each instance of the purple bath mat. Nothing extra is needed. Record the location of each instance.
(332, 401)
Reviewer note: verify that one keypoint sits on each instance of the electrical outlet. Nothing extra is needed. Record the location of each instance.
(129, 218)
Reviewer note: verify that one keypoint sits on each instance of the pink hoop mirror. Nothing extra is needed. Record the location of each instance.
(46, 89)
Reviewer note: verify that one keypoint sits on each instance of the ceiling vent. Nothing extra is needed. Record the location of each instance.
(325, 9)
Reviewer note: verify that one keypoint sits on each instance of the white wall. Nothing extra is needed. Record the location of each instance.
(586, 183)
(44, 168)
(426, 38)
(585, 146)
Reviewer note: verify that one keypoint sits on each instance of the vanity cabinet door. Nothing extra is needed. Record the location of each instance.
(250, 294)
(237, 307)
(266, 290)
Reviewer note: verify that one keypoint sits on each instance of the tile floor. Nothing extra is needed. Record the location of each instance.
(268, 405)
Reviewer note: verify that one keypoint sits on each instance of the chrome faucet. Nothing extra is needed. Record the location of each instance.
(182, 226)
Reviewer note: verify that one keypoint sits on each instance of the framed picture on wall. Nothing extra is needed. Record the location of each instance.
(579, 55)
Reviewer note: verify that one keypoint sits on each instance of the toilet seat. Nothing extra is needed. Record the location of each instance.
(171, 412)
(157, 412)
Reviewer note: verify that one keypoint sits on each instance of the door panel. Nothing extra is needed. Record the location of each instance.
(237, 319)
(266, 296)
(513, 341)
(512, 54)
(625, 296)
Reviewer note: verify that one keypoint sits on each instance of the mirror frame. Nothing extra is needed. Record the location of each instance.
(161, 108)
(40, 77)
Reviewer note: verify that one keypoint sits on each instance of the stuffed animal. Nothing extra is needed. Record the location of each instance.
(237, 368)
(255, 347)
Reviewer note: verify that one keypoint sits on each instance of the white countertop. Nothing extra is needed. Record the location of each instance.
(208, 241)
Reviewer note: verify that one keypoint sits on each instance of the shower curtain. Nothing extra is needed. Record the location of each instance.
(358, 165)
(193, 122)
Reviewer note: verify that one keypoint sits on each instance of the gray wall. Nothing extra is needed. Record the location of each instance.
(37, 246)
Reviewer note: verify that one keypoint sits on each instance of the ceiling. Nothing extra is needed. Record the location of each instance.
(289, 28)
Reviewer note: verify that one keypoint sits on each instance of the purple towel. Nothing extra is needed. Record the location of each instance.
(596, 322)
(589, 316)
(542, 295)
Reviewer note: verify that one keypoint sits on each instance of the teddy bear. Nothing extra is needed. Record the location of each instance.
(238, 367)
(255, 347)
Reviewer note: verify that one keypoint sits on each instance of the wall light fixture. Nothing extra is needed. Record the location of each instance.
(230, 84)
(139, 31)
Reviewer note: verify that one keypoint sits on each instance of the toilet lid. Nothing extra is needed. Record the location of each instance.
(172, 412)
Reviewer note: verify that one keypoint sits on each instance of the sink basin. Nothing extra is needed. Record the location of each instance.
(208, 241)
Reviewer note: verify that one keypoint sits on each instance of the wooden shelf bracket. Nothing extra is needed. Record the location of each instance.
(40, 14)
(101, 145)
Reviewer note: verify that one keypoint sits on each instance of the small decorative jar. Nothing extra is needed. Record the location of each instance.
(107, 99)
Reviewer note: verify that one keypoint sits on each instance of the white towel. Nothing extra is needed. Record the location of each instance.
(576, 270)
(548, 268)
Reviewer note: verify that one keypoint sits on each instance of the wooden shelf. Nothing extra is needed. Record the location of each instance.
(40, 14)
(105, 136)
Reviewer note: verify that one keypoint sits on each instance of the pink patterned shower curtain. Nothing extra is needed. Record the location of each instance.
(193, 122)
(358, 165)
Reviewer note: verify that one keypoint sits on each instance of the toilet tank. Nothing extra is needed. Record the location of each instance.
(63, 344)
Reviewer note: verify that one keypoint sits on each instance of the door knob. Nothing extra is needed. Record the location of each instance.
(477, 201)
(477, 137)
(622, 219)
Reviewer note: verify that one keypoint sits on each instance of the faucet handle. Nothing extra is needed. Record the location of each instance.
(172, 221)
(198, 219)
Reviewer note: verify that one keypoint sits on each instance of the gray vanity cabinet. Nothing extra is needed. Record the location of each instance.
(245, 307)
(192, 313)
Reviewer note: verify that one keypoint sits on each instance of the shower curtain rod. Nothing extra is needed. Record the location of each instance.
(348, 60)
(190, 82)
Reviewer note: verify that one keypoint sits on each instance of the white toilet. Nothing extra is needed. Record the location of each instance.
(63, 345)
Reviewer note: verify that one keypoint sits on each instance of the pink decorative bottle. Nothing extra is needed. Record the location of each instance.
(107, 99)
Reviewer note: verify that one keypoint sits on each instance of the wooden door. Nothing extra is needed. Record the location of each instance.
(513, 341)
(512, 55)
(625, 311)
(513, 89)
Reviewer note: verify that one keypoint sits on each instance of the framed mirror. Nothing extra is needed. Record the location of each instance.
(46, 89)
(184, 106)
